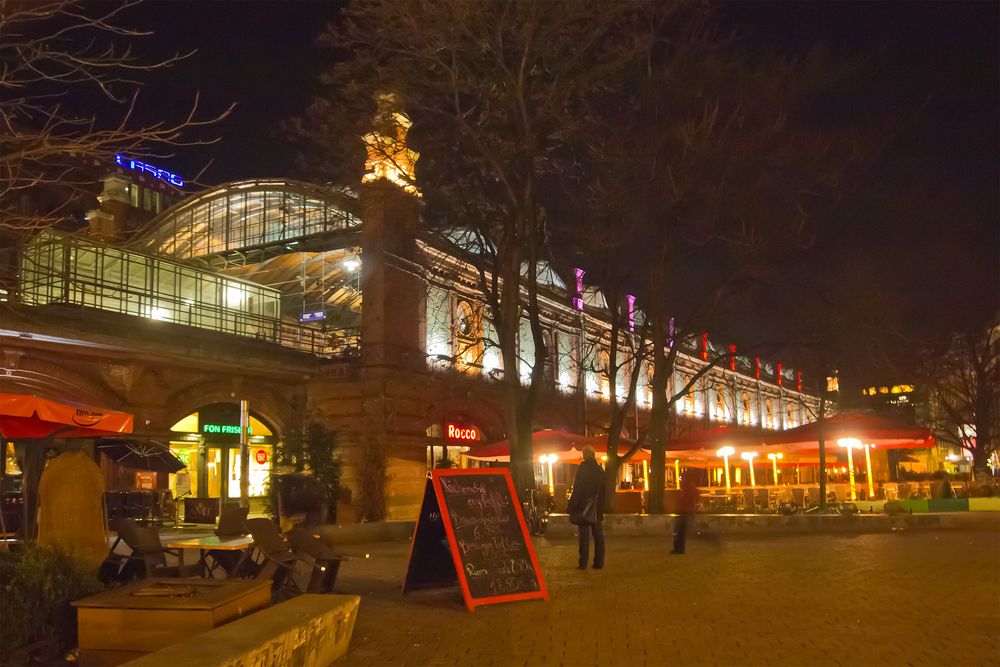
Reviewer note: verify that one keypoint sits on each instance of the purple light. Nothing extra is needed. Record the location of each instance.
(631, 312)
(578, 297)
(670, 331)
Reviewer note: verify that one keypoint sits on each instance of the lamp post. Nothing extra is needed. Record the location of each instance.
(748, 457)
(775, 457)
(868, 467)
(677, 473)
(725, 453)
(850, 444)
(549, 459)
(645, 475)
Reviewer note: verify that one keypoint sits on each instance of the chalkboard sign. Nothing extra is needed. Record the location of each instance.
(471, 529)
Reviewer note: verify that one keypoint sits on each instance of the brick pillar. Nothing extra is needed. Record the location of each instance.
(391, 282)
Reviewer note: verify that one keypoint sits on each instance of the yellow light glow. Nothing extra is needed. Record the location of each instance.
(748, 457)
(645, 475)
(552, 458)
(388, 155)
(725, 453)
(774, 463)
(868, 466)
(677, 473)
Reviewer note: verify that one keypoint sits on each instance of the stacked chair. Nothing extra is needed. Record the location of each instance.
(279, 556)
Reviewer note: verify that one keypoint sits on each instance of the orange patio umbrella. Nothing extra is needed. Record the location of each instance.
(30, 416)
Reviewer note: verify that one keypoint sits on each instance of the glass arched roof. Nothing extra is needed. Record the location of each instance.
(244, 215)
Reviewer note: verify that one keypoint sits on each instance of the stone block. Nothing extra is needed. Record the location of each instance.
(307, 631)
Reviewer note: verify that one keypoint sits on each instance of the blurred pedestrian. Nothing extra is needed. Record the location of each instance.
(586, 507)
(690, 495)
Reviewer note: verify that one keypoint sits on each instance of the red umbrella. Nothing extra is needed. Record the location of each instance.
(567, 446)
(883, 432)
(29, 416)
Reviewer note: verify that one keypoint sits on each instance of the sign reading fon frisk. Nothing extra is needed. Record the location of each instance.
(471, 530)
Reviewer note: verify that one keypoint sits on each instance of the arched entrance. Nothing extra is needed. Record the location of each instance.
(447, 442)
(208, 441)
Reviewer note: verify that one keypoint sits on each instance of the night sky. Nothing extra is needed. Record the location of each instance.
(920, 227)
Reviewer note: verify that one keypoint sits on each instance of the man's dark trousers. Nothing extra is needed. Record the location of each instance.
(585, 530)
(680, 528)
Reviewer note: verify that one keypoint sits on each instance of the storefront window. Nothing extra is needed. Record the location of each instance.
(260, 469)
(185, 481)
(11, 465)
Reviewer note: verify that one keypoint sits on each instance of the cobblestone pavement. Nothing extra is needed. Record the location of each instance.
(909, 598)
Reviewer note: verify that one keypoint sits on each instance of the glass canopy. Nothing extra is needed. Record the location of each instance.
(246, 215)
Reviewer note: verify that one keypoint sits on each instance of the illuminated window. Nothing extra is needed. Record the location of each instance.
(720, 403)
(769, 413)
(468, 337)
(745, 407)
(11, 465)
(603, 368)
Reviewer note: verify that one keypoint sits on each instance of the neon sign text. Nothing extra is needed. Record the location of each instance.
(456, 432)
(156, 172)
(227, 429)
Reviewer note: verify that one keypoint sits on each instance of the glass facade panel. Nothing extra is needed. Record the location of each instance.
(248, 215)
(127, 282)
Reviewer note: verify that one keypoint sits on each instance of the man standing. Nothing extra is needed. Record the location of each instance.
(688, 506)
(586, 507)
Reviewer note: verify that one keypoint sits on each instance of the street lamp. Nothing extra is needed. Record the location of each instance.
(748, 457)
(868, 466)
(549, 459)
(774, 464)
(850, 444)
(725, 453)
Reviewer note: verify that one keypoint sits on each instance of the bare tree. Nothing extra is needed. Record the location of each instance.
(494, 90)
(701, 167)
(61, 63)
(963, 382)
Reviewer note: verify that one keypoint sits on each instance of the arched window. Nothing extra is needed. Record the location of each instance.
(745, 408)
(720, 403)
(468, 332)
(769, 413)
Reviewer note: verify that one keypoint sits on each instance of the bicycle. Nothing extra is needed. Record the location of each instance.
(536, 515)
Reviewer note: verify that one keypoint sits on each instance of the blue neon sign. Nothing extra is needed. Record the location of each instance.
(156, 172)
(312, 316)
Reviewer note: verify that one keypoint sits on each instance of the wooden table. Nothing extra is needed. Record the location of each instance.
(125, 623)
(206, 544)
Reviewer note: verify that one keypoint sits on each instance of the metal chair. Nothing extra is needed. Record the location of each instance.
(748, 499)
(147, 556)
(763, 500)
(325, 562)
(279, 561)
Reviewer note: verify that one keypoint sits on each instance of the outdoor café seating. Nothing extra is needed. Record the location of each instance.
(278, 559)
(325, 563)
(146, 555)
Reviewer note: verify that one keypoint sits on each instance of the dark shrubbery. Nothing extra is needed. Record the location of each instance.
(36, 588)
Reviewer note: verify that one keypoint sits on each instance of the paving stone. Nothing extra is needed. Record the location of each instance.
(885, 599)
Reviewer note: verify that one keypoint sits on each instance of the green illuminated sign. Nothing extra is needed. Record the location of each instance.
(227, 429)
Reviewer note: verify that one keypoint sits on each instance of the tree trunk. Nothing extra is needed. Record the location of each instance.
(820, 423)
(658, 417)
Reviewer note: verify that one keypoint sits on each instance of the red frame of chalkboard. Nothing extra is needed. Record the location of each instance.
(470, 602)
